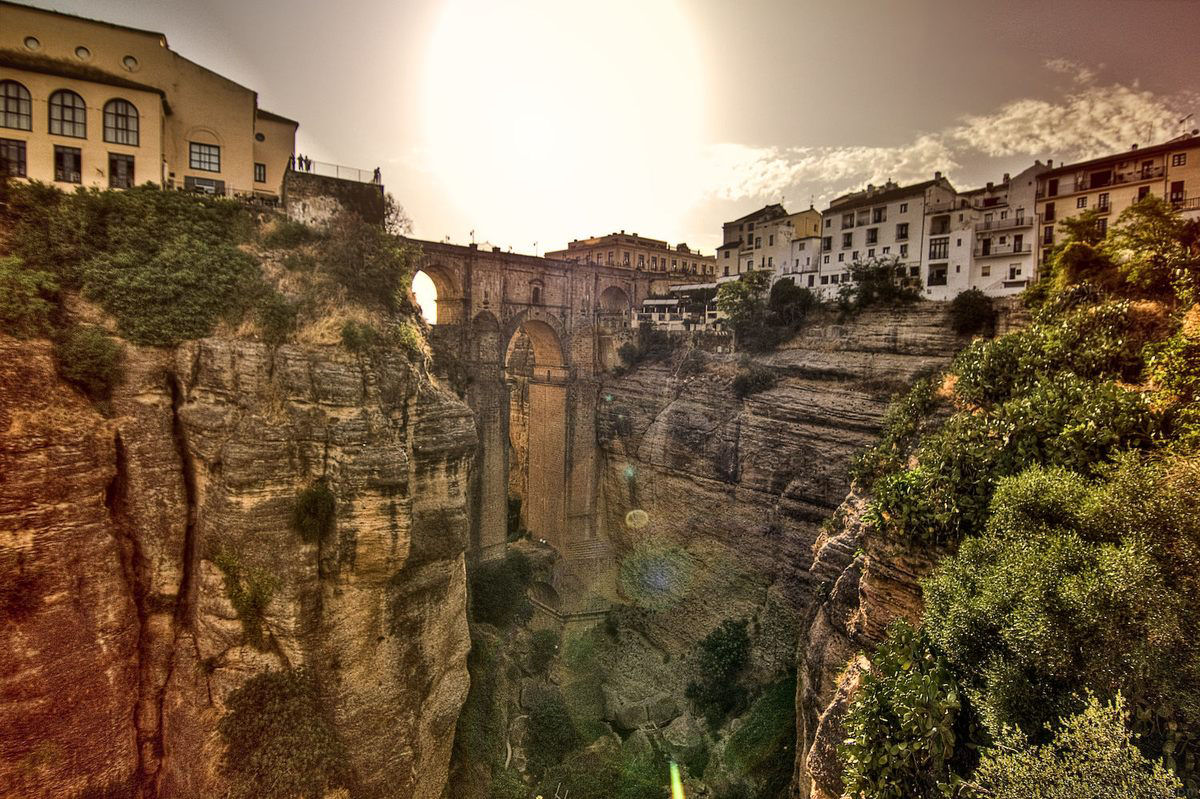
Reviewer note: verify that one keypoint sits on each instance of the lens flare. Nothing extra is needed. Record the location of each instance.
(676, 782)
(636, 519)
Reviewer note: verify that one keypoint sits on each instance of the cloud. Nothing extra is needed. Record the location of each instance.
(1084, 121)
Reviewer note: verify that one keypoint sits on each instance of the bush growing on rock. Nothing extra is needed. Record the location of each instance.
(972, 312)
(906, 729)
(763, 748)
(752, 379)
(90, 359)
(542, 649)
(276, 318)
(315, 512)
(498, 590)
(278, 743)
(288, 234)
(28, 299)
(551, 732)
(723, 655)
(373, 266)
(249, 590)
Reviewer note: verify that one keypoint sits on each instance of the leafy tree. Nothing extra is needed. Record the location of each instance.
(1084, 228)
(498, 590)
(743, 301)
(877, 281)
(542, 649)
(551, 732)
(724, 653)
(790, 303)
(374, 266)
(1152, 246)
(1092, 756)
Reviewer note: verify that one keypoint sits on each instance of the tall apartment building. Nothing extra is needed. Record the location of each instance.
(1170, 171)
(763, 240)
(91, 103)
(878, 222)
(631, 251)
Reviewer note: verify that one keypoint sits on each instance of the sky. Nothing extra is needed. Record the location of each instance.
(525, 124)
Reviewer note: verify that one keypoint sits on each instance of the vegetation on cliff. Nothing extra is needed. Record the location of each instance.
(1054, 473)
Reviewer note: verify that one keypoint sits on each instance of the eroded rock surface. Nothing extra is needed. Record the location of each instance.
(119, 538)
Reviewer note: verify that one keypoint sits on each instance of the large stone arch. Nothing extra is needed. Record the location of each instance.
(451, 299)
(614, 299)
(538, 433)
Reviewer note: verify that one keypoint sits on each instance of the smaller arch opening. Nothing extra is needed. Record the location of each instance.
(425, 291)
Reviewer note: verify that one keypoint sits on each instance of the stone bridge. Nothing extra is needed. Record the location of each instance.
(533, 336)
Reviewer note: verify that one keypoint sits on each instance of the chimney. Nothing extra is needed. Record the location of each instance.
(937, 175)
(1050, 163)
(870, 188)
(989, 183)
(495, 249)
(1006, 178)
(1134, 147)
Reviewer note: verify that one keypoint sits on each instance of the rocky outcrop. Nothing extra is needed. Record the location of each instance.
(735, 491)
(124, 542)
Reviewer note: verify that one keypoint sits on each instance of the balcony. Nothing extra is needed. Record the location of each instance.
(1003, 249)
(936, 279)
(1085, 182)
(1186, 204)
(1007, 224)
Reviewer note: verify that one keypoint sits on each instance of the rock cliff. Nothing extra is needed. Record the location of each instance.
(735, 493)
(131, 539)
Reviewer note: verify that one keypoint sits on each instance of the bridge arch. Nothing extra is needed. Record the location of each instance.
(449, 294)
(614, 299)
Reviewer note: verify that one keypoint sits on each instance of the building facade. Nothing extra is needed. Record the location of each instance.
(90, 103)
(678, 264)
(763, 240)
(1109, 185)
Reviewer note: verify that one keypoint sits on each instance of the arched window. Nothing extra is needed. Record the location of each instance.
(537, 295)
(17, 109)
(68, 114)
(120, 122)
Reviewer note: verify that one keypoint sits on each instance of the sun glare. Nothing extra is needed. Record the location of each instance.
(571, 118)
(426, 294)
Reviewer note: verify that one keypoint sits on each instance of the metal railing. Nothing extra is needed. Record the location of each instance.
(328, 170)
(1003, 249)
(1005, 224)
(1186, 204)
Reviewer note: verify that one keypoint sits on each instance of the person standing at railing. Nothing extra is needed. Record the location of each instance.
(378, 176)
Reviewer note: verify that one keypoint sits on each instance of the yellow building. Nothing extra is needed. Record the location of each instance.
(1169, 171)
(631, 251)
(95, 104)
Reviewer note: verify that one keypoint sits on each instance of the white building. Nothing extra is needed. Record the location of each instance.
(763, 240)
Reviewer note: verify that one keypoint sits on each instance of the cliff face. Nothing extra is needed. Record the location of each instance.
(129, 534)
(736, 491)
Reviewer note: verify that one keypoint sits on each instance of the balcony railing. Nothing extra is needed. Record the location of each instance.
(1085, 183)
(1003, 249)
(329, 170)
(1186, 204)
(1006, 224)
(937, 279)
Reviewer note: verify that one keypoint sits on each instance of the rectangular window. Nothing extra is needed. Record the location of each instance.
(872, 235)
(68, 164)
(903, 250)
(841, 257)
(1102, 226)
(1176, 191)
(847, 239)
(205, 157)
(854, 256)
(771, 240)
(825, 259)
(1102, 202)
(12, 158)
(824, 280)
(1081, 202)
(887, 250)
(1048, 235)
(939, 249)
(878, 215)
(810, 280)
(1048, 214)
(847, 221)
(1179, 159)
(904, 208)
(260, 173)
(1014, 271)
(902, 231)
(871, 252)
(827, 243)
(120, 171)
(828, 223)
(757, 241)
(986, 270)
(770, 261)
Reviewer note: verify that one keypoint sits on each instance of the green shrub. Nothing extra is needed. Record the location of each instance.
(752, 379)
(542, 650)
(1174, 366)
(790, 303)
(1091, 756)
(90, 359)
(1027, 612)
(28, 299)
(359, 337)
(314, 515)
(278, 742)
(763, 748)
(608, 773)
(374, 267)
(551, 733)
(878, 281)
(651, 345)
(249, 590)
(908, 417)
(276, 318)
(288, 234)
(405, 336)
(498, 590)
(972, 312)
(907, 732)
(723, 655)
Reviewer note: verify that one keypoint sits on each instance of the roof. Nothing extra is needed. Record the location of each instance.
(861, 198)
(265, 114)
(31, 62)
(85, 19)
(1157, 149)
(766, 212)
